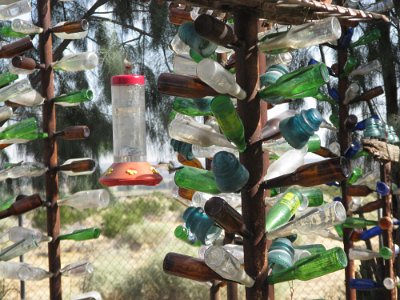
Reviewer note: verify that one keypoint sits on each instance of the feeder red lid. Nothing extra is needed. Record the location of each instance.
(129, 79)
(130, 173)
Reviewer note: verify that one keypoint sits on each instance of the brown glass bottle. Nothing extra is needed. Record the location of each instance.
(71, 133)
(72, 27)
(226, 216)
(334, 169)
(369, 95)
(189, 267)
(325, 152)
(183, 86)
(371, 206)
(215, 31)
(22, 205)
(25, 63)
(178, 16)
(78, 166)
(191, 163)
(16, 48)
(186, 193)
(359, 190)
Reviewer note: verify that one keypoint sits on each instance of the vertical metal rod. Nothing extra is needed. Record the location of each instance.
(50, 148)
(344, 141)
(214, 291)
(388, 234)
(253, 208)
(21, 259)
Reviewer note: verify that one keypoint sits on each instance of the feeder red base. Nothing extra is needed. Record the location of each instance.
(130, 173)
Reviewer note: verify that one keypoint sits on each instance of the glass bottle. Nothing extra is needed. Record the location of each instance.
(298, 129)
(334, 169)
(183, 86)
(230, 175)
(304, 82)
(199, 199)
(284, 209)
(6, 203)
(312, 197)
(81, 234)
(15, 48)
(86, 199)
(390, 284)
(367, 38)
(92, 295)
(303, 36)
(189, 36)
(178, 16)
(229, 121)
(280, 254)
(22, 271)
(351, 92)
(77, 62)
(215, 30)
(15, 89)
(15, 9)
(351, 222)
(271, 128)
(184, 65)
(31, 98)
(73, 133)
(26, 169)
(19, 248)
(226, 265)
(186, 129)
(185, 235)
(226, 216)
(315, 220)
(78, 269)
(312, 248)
(202, 226)
(74, 30)
(77, 166)
(219, 78)
(280, 58)
(23, 205)
(24, 63)
(366, 254)
(6, 78)
(354, 175)
(287, 163)
(73, 99)
(280, 146)
(26, 27)
(210, 151)
(183, 149)
(6, 31)
(189, 267)
(313, 266)
(16, 234)
(178, 46)
(192, 107)
(366, 68)
(351, 63)
(364, 284)
(196, 179)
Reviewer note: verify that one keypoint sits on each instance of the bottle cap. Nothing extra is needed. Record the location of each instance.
(389, 283)
(385, 252)
(382, 188)
(129, 79)
(181, 232)
(314, 143)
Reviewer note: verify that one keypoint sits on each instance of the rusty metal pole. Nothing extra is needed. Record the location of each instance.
(344, 141)
(253, 208)
(388, 234)
(50, 148)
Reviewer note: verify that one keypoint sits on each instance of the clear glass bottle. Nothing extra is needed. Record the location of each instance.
(86, 199)
(226, 265)
(5, 113)
(303, 36)
(16, 234)
(22, 271)
(366, 254)
(178, 46)
(92, 295)
(31, 98)
(199, 199)
(184, 65)
(77, 62)
(219, 78)
(280, 146)
(17, 88)
(366, 68)
(15, 9)
(78, 269)
(25, 27)
(210, 151)
(18, 249)
(351, 92)
(26, 169)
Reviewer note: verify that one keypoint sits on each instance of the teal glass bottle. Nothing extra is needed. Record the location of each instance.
(280, 254)
(201, 225)
(192, 107)
(230, 174)
(229, 121)
(298, 129)
(189, 36)
(301, 83)
(196, 179)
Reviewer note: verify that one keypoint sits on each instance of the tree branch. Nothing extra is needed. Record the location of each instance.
(97, 18)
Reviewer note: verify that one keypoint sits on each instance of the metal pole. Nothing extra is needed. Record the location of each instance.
(388, 234)
(50, 148)
(253, 208)
(21, 259)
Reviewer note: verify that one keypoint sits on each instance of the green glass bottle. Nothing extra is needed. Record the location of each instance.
(25, 130)
(325, 98)
(312, 248)
(81, 234)
(4, 204)
(314, 195)
(229, 121)
(301, 83)
(312, 266)
(358, 223)
(192, 107)
(367, 38)
(356, 174)
(6, 78)
(196, 179)
(7, 32)
(183, 234)
(73, 99)
(350, 65)
(283, 210)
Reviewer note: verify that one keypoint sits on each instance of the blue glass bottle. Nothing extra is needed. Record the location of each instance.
(364, 284)
(298, 129)
(230, 174)
(352, 149)
(362, 124)
(280, 254)
(201, 225)
(345, 39)
(189, 36)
